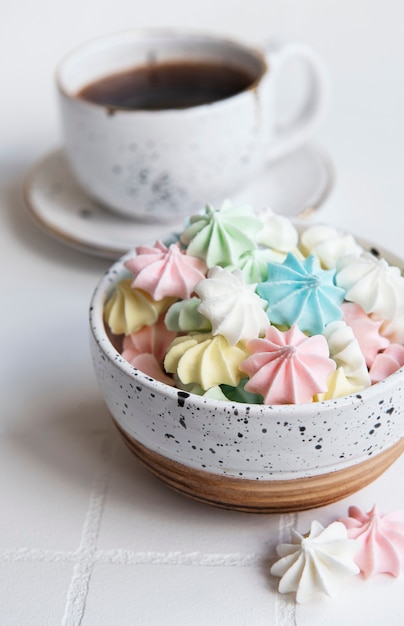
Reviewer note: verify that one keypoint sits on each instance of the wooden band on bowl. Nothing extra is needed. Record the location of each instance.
(263, 496)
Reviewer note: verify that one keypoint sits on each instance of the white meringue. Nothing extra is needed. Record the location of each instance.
(328, 244)
(278, 233)
(317, 562)
(345, 350)
(372, 283)
(232, 307)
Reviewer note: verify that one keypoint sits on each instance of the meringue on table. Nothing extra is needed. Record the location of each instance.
(380, 540)
(316, 562)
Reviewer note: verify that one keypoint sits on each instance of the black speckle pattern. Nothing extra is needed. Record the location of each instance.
(148, 172)
(182, 396)
(85, 213)
(253, 442)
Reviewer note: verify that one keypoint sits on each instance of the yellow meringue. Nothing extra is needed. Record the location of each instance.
(338, 386)
(205, 360)
(130, 309)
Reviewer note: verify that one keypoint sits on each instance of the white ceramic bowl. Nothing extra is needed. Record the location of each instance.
(248, 457)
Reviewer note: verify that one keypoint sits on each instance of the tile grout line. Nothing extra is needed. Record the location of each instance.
(119, 556)
(85, 555)
(285, 606)
(198, 559)
(38, 555)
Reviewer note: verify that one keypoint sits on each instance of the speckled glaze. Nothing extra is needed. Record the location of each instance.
(242, 441)
(156, 164)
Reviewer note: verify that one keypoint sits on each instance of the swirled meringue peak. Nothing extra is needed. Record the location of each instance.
(145, 349)
(300, 292)
(317, 562)
(393, 329)
(328, 244)
(232, 307)
(220, 237)
(254, 263)
(149, 365)
(163, 271)
(345, 350)
(205, 360)
(338, 385)
(153, 340)
(287, 367)
(380, 540)
(387, 362)
(365, 329)
(183, 316)
(128, 310)
(278, 233)
(372, 283)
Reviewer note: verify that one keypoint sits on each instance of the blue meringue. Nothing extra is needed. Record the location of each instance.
(301, 293)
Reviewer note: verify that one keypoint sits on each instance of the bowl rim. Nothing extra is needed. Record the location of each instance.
(117, 272)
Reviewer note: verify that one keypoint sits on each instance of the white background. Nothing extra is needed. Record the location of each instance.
(86, 535)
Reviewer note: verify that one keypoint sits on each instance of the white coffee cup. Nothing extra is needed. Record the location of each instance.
(166, 163)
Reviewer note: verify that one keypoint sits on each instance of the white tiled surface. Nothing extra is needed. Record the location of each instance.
(87, 536)
(132, 505)
(26, 595)
(208, 595)
(373, 603)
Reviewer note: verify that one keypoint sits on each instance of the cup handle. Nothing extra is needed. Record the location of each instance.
(289, 135)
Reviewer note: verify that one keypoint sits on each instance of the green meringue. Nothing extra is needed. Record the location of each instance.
(183, 316)
(220, 237)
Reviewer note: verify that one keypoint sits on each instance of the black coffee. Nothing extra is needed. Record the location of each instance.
(170, 85)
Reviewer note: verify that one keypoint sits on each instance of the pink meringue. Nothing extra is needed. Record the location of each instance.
(148, 340)
(365, 329)
(163, 271)
(393, 329)
(387, 362)
(380, 538)
(287, 367)
(148, 364)
(145, 350)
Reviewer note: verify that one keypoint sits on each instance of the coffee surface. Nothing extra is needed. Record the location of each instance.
(169, 85)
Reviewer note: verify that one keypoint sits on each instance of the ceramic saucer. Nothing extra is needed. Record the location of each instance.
(292, 186)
